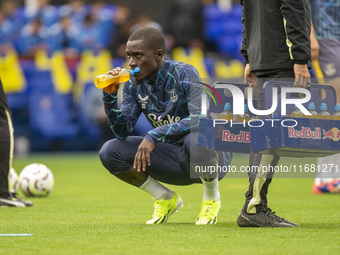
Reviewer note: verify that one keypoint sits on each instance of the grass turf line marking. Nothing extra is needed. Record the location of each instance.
(16, 234)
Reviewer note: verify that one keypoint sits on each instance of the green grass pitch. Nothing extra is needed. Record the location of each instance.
(91, 212)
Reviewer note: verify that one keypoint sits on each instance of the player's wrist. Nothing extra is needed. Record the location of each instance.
(111, 89)
(301, 62)
(150, 138)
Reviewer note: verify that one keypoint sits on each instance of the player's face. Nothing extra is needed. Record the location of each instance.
(149, 61)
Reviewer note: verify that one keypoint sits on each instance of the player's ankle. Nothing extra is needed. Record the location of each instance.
(166, 195)
(211, 190)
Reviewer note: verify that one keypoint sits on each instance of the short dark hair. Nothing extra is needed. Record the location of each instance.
(152, 37)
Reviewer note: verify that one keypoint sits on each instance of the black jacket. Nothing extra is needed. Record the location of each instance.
(3, 102)
(276, 33)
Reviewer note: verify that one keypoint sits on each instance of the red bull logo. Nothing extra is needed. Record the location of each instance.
(333, 134)
(242, 137)
(305, 132)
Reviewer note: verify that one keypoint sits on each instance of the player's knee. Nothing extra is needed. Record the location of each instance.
(106, 155)
(111, 157)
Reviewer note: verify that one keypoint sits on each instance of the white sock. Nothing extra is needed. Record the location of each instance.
(211, 190)
(156, 189)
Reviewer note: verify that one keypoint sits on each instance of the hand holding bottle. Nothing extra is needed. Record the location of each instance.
(109, 81)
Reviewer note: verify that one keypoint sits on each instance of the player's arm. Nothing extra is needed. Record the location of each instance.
(142, 157)
(249, 77)
(244, 37)
(297, 22)
(122, 119)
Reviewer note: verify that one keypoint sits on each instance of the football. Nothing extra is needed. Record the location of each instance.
(13, 181)
(36, 180)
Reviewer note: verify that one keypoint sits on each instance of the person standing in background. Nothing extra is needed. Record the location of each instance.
(45, 12)
(275, 46)
(32, 39)
(6, 155)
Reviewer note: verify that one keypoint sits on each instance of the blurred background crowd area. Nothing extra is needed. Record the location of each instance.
(50, 52)
(77, 25)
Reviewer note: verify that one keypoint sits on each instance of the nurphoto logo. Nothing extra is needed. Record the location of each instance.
(238, 100)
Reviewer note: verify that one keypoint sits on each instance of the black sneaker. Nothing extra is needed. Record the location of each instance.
(272, 214)
(11, 201)
(261, 219)
(25, 202)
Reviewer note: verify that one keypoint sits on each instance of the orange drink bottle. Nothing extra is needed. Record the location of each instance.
(104, 80)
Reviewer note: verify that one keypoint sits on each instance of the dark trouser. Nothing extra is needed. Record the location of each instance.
(256, 196)
(6, 145)
(169, 163)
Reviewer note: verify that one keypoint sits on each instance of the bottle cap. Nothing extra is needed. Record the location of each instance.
(136, 70)
(337, 108)
(323, 107)
(227, 106)
(311, 106)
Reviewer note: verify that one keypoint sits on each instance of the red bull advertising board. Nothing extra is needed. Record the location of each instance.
(308, 138)
(284, 136)
(221, 135)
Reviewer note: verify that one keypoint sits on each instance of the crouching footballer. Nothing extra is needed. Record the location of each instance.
(168, 93)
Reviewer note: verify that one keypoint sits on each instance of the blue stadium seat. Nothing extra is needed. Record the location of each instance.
(17, 101)
(88, 128)
(212, 30)
(212, 12)
(222, 23)
(237, 11)
(209, 63)
(228, 45)
(40, 81)
(52, 115)
(231, 27)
